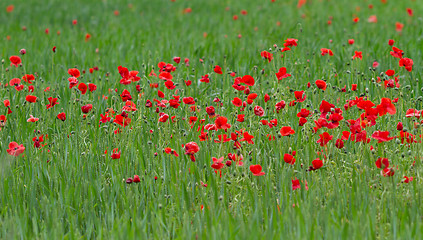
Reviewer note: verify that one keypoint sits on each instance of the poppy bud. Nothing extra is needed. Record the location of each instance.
(22, 51)
(129, 180)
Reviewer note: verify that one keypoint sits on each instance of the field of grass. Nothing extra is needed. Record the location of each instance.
(116, 156)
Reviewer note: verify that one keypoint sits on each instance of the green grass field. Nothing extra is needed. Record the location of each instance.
(359, 170)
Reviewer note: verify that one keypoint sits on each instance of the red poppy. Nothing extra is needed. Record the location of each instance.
(32, 119)
(324, 139)
(412, 113)
(188, 100)
(83, 88)
(163, 117)
(258, 111)
(28, 78)
(31, 99)
(217, 163)
(295, 184)
(205, 78)
(136, 179)
(339, 144)
(386, 106)
(53, 101)
(267, 55)
(288, 158)
(74, 72)
(247, 137)
(237, 102)
(407, 179)
(37, 141)
(391, 42)
(15, 149)
(2, 120)
(396, 52)
(290, 42)
(256, 170)
(121, 120)
(222, 123)
(218, 69)
(286, 131)
(281, 74)
(325, 51)
(382, 136)
(92, 87)
(15, 61)
(407, 63)
(61, 116)
(86, 108)
(321, 84)
(317, 163)
(191, 148)
(350, 41)
(280, 105)
(248, 80)
(115, 154)
(357, 55)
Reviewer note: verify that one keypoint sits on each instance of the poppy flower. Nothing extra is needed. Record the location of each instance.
(295, 184)
(15, 61)
(350, 41)
(281, 74)
(237, 102)
(317, 163)
(386, 106)
(121, 120)
(73, 81)
(31, 99)
(280, 105)
(256, 170)
(391, 42)
(222, 123)
(205, 78)
(86, 108)
(324, 139)
(248, 80)
(240, 118)
(37, 141)
(339, 144)
(382, 136)
(267, 55)
(407, 63)
(286, 131)
(115, 154)
(290, 42)
(396, 52)
(258, 111)
(191, 148)
(28, 78)
(325, 51)
(32, 119)
(300, 96)
(247, 137)
(2, 120)
(217, 163)
(412, 113)
(83, 88)
(387, 172)
(74, 72)
(15, 82)
(61, 116)
(288, 158)
(357, 55)
(321, 84)
(53, 101)
(163, 117)
(15, 149)
(188, 100)
(177, 60)
(136, 179)
(407, 179)
(218, 69)
(92, 87)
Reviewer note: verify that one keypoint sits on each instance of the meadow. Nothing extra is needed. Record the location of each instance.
(219, 119)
